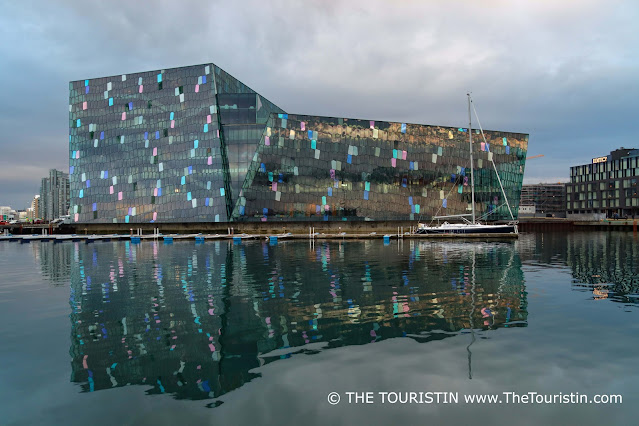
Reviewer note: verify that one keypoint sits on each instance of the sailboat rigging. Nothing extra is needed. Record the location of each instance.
(473, 226)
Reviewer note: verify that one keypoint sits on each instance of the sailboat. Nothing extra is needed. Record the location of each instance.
(471, 226)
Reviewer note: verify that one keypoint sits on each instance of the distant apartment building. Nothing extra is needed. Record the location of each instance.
(606, 186)
(54, 195)
(543, 199)
(33, 211)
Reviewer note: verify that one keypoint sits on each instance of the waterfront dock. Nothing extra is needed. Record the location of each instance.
(170, 238)
(275, 231)
(563, 224)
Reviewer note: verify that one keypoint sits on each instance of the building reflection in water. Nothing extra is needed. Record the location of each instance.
(55, 261)
(193, 320)
(605, 264)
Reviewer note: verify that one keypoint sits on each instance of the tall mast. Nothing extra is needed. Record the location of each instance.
(472, 176)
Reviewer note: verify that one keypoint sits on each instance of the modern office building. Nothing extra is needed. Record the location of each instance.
(54, 195)
(194, 144)
(548, 199)
(607, 185)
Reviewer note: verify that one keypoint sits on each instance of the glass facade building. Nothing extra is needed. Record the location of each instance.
(194, 144)
(608, 185)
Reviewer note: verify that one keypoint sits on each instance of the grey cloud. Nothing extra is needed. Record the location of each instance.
(563, 72)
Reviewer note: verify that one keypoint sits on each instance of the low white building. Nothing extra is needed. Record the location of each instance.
(527, 210)
(7, 213)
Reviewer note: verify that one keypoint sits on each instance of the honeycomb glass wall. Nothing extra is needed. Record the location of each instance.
(194, 144)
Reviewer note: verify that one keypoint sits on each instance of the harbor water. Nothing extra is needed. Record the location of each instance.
(321, 332)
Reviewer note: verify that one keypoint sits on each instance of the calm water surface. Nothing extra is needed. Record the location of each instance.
(254, 333)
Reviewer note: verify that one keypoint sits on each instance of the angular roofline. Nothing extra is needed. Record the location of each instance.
(151, 70)
(175, 68)
(403, 122)
(308, 115)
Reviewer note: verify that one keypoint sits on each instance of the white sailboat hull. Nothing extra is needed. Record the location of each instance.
(466, 228)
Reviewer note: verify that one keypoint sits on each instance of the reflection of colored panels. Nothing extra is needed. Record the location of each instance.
(148, 312)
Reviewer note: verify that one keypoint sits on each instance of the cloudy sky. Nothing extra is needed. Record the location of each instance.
(566, 72)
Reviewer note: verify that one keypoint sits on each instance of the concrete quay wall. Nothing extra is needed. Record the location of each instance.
(302, 227)
(261, 228)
